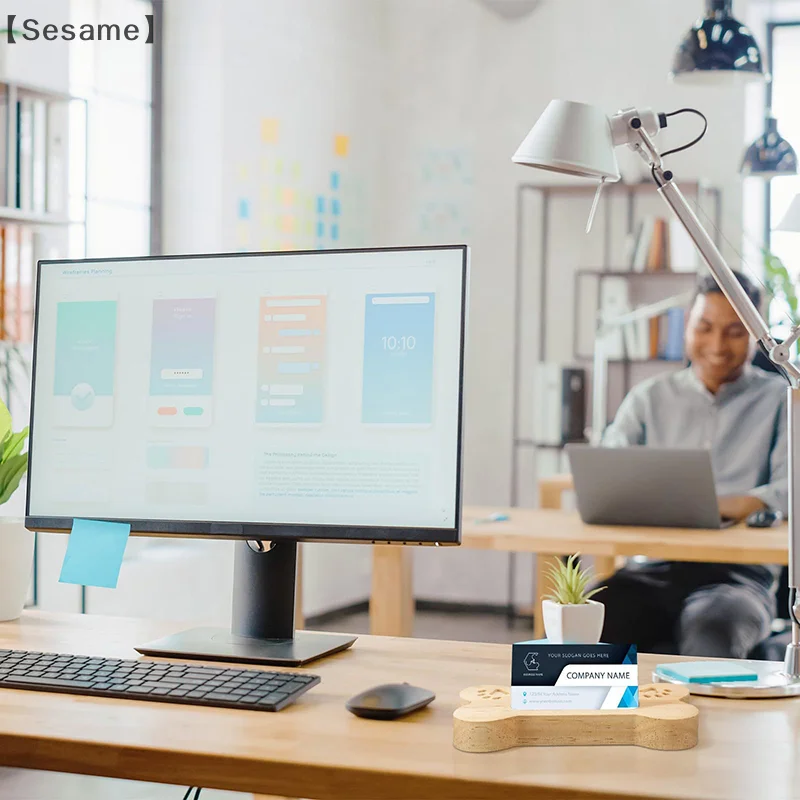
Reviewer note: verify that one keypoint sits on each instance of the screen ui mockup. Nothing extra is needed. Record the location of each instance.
(191, 394)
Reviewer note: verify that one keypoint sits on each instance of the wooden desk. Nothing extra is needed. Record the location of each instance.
(550, 532)
(316, 749)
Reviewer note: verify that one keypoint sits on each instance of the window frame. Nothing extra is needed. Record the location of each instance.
(772, 26)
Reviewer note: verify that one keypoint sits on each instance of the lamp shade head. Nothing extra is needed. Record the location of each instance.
(573, 139)
(770, 156)
(718, 48)
(791, 220)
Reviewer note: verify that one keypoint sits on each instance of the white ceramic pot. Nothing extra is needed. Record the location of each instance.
(573, 624)
(16, 567)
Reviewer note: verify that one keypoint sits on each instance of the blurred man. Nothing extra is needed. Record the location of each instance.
(738, 412)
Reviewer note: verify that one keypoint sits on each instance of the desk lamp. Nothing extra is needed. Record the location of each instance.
(578, 139)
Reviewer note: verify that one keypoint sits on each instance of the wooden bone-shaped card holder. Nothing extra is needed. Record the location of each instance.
(486, 723)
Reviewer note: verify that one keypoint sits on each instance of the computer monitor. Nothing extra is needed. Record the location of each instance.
(269, 398)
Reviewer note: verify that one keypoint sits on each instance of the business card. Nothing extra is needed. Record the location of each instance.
(549, 677)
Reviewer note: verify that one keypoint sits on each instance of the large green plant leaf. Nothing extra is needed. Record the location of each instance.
(14, 444)
(5, 422)
(11, 472)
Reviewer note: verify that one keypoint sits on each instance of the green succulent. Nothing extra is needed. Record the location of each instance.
(13, 462)
(568, 581)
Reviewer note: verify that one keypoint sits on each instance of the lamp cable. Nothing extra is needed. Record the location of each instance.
(696, 139)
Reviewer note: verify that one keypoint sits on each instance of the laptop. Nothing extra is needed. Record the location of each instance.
(645, 486)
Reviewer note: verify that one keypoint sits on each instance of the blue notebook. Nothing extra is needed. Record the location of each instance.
(706, 671)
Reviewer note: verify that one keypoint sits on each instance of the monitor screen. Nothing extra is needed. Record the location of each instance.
(308, 395)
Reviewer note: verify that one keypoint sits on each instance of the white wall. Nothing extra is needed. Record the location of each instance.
(40, 63)
(316, 67)
(462, 79)
(193, 145)
(435, 95)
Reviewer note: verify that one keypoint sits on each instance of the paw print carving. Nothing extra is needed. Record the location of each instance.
(493, 694)
(653, 692)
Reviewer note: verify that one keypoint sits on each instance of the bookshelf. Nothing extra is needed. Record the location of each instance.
(31, 217)
(646, 286)
(540, 248)
(37, 212)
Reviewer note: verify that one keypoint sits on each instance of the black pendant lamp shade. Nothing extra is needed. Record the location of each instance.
(718, 47)
(770, 155)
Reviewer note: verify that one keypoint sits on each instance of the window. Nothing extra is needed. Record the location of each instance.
(113, 189)
(783, 47)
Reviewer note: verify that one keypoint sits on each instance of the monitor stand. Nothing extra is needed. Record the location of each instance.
(262, 628)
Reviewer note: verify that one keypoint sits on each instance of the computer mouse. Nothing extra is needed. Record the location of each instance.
(389, 701)
(764, 518)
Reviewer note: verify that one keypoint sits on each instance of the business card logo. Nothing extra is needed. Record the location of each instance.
(531, 664)
(31, 29)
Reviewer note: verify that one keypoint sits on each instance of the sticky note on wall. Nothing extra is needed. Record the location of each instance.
(270, 129)
(341, 145)
(94, 553)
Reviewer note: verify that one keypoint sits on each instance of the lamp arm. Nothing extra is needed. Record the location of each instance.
(779, 354)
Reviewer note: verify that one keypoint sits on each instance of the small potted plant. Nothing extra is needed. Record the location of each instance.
(570, 615)
(16, 543)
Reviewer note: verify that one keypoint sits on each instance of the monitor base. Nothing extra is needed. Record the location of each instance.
(218, 644)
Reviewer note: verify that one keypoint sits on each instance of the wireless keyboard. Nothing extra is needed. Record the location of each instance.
(151, 680)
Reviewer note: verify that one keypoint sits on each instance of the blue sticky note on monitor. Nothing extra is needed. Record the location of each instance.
(94, 553)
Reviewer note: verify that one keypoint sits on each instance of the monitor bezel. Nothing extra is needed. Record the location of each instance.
(365, 534)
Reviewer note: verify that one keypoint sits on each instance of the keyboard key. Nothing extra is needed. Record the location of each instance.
(140, 690)
(275, 697)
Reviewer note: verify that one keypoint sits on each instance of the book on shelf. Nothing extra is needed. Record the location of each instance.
(643, 237)
(34, 160)
(658, 252)
(25, 154)
(683, 255)
(56, 158)
(655, 334)
(661, 245)
(665, 336)
(39, 157)
(4, 149)
(673, 345)
(21, 247)
(614, 301)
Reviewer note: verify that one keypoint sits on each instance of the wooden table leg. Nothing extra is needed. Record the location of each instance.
(541, 587)
(391, 606)
(604, 567)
